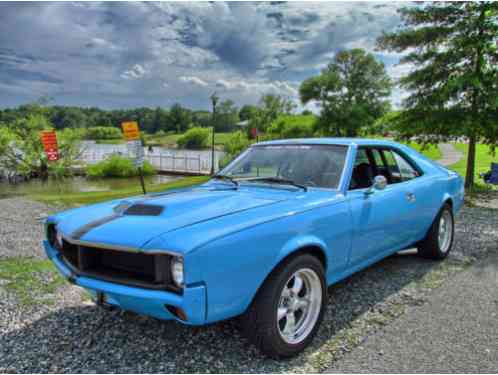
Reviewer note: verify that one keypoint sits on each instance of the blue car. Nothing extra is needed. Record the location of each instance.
(262, 239)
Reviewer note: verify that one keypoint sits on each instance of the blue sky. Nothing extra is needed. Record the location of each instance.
(122, 55)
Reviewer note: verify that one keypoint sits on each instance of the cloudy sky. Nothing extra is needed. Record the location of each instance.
(121, 55)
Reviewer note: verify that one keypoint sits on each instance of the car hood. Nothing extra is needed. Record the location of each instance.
(134, 222)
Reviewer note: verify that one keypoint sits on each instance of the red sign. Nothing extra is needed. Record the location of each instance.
(49, 141)
(254, 132)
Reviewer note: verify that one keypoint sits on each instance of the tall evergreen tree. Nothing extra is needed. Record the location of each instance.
(453, 83)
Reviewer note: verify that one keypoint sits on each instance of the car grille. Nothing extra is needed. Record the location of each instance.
(144, 270)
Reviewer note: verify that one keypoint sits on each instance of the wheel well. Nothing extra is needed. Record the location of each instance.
(449, 201)
(313, 250)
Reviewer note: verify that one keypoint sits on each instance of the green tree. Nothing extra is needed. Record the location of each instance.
(270, 107)
(453, 85)
(179, 118)
(22, 151)
(69, 117)
(235, 144)
(384, 125)
(292, 126)
(6, 137)
(352, 92)
(227, 116)
(247, 112)
(202, 118)
(159, 121)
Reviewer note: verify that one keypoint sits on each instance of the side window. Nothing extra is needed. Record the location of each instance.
(361, 157)
(406, 170)
(378, 158)
(393, 167)
(362, 171)
(379, 163)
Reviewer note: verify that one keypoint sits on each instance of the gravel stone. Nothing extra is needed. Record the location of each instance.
(21, 227)
(73, 335)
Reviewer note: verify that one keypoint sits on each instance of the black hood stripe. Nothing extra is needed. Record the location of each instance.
(80, 232)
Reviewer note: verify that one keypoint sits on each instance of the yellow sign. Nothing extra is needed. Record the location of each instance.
(130, 130)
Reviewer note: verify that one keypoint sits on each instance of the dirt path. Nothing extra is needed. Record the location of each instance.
(450, 154)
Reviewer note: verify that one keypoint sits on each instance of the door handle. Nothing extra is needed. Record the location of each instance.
(410, 197)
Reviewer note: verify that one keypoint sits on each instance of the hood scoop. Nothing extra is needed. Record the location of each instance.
(140, 209)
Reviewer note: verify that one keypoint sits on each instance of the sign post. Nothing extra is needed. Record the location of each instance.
(49, 141)
(135, 148)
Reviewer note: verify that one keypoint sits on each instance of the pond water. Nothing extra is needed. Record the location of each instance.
(78, 184)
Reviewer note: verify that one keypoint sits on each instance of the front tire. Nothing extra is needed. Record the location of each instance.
(439, 240)
(288, 309)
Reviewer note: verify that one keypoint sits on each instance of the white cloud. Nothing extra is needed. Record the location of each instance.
(136, 72)
(193, 80)
(259, 87)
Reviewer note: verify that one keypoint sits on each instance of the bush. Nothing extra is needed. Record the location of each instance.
(194, 138)
(117, 166)
(102, 132)
(292, 127)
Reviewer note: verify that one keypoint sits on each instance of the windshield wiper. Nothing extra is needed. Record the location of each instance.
(277, 180)
(227, 178)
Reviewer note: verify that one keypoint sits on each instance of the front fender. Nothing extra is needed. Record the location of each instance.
(300, 242)
(235, 266)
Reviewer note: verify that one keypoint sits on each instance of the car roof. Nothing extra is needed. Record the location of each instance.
(330, 141)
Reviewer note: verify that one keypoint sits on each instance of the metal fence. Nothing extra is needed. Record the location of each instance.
(163, 162)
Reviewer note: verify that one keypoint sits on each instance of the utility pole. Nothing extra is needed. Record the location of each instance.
(214, 101)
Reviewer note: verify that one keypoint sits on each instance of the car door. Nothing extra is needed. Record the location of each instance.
(419, 191)
(381, 220)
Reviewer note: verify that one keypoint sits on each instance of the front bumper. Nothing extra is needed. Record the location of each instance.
(139, 300)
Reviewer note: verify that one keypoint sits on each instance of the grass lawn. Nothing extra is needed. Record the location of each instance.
(171, 139)
(77, 199)
(31, 280)
(483, 160)
(430, 151)
(165, 140)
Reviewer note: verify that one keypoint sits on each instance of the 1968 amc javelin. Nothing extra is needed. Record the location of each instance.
(263, 238)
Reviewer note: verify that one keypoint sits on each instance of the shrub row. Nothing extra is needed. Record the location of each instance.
(117, 166)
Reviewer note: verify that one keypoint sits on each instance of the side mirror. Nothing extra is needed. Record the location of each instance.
(379, 183)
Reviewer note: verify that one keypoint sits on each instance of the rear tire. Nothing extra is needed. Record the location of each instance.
(439, 240)
(288, 309)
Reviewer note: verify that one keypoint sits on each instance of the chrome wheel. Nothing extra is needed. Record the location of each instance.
(299, 306)
(445, 231)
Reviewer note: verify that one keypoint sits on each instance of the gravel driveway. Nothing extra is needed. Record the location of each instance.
(73, 335)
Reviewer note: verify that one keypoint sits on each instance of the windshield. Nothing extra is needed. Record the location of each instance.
(307, 165)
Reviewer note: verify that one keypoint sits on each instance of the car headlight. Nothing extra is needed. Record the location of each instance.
(177, 271)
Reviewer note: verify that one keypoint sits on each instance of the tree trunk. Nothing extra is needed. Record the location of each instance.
(471, 158)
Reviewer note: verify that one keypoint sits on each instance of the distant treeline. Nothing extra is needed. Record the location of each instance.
(152, 120)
